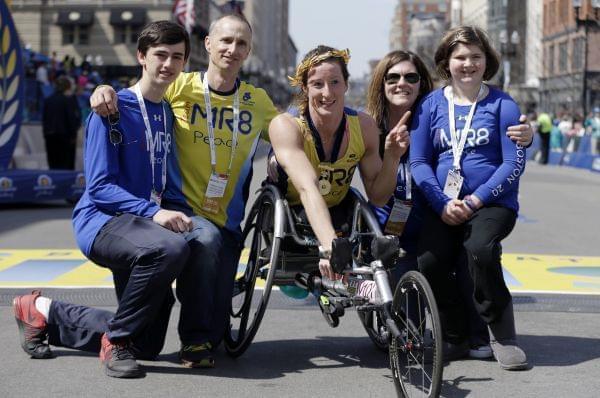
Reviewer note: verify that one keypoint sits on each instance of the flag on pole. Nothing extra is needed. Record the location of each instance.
(184, 13)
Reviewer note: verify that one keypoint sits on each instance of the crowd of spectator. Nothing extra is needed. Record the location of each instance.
(42, 71)
(565, 131)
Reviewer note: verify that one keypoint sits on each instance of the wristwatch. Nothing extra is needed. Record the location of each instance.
(324, 253)
(470, 204)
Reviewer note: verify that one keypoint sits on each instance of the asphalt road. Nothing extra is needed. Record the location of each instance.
(296, 354)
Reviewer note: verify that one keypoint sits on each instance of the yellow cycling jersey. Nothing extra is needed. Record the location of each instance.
(189, 169)
(334, 178)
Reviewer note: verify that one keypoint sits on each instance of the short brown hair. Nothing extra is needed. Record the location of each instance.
(234, 15)
(163, 32)
(376, 101)
(467, 35)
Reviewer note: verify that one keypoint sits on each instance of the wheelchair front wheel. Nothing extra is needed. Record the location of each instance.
(252, 287)
(416, 355)
(373, 323)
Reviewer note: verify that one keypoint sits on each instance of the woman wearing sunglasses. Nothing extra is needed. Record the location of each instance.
(400, 80)
(468, 169)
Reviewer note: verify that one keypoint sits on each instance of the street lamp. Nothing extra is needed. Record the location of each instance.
(586, 23)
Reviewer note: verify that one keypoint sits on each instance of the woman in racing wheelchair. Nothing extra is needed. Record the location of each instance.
(317, 154)
(320, 150)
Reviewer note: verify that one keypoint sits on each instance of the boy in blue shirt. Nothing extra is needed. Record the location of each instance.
(119, 224)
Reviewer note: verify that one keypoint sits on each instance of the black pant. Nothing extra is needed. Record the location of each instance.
(60, 151)
(544, 147)
(145, 259)
(440, 248)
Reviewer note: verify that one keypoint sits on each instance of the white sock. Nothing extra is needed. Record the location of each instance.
(42, 304)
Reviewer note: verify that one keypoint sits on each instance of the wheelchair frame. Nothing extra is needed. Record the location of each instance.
(413, 340)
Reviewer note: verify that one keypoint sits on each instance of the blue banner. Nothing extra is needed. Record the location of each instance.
(22, 186)
(11, 86)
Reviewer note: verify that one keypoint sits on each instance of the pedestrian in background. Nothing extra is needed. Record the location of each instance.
(61, 119)
(592, 125)
(544, 129)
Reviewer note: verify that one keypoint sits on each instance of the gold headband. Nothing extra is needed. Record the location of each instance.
(296, 80)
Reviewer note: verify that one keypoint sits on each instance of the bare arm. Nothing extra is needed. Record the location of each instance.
(286, 139)
(379, 177)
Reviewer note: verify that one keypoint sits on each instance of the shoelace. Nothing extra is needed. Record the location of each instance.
(121, 351)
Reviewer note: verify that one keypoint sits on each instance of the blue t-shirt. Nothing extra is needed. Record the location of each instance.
(119, 176)
(491, 163)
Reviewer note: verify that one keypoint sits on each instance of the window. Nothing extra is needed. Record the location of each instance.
(551, 59)
(578, 53)
(126, 34)
(83, 36)
(75, 34)
(563, 56)
(68, 34)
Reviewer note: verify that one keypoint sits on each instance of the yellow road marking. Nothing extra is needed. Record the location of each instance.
(524, 272)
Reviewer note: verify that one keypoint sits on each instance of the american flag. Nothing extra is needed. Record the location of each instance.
(184, 13)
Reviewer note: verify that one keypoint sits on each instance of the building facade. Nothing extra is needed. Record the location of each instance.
(273, 55)
(571, 70)
(405, 11)
(418, 26)
(105, 32)
(469, 12)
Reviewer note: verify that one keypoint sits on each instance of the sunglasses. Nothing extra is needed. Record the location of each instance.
(394, 78)
(114, 135)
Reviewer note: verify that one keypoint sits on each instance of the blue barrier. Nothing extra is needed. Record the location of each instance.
(22, 186)
(582, 158)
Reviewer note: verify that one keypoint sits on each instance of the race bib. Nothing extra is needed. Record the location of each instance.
(453, 184)
(216, 185)
(398, 217)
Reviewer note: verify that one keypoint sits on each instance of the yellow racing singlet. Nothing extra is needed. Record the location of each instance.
(334, 178)
(189, 168)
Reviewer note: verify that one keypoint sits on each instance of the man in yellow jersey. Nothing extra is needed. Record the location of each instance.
(320, 150)
(218, 123)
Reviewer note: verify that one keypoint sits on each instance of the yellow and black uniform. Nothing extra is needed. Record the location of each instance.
(189, 168)
(334, 177)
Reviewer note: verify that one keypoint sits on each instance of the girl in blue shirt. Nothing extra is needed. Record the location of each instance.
(400, 80)
(468, 169)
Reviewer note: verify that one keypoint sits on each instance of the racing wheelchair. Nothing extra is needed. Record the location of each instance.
(283, 251)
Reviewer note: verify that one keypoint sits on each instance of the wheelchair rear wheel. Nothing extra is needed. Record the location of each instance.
(416, 356)
(253, 283)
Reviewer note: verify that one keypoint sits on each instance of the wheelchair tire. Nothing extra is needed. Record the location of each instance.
(374, 325)
(416, 357)
(250, 300)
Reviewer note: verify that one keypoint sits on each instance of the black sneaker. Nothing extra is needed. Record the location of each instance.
(118, 360)
(197, 356)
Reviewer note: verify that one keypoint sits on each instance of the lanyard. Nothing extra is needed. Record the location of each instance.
(407, 180)
(211, 128)
(459, 146)
(150, 143)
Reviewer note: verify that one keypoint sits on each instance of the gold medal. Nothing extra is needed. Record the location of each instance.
(324, 187)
